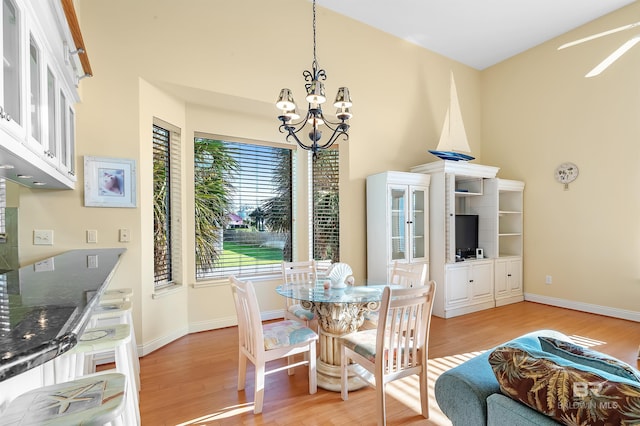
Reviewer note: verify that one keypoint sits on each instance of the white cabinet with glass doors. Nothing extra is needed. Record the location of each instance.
(37, 94)
(397, 222)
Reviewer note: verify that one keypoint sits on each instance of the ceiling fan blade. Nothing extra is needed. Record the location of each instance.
(613, 57)
(602, 34)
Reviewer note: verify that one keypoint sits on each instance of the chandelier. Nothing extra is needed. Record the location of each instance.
(314, 120)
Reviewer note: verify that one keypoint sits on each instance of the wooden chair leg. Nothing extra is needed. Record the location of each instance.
(258, 396)
(290, 361)
(242, 371)
(313, 375)
(380, 400)
(424, 392)
(344, 391)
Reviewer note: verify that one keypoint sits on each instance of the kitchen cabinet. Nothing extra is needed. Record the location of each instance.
(42, 67)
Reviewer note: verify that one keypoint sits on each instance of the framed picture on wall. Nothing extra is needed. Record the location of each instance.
(109, 182)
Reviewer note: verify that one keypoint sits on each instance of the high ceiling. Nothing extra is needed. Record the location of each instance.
(478, 33)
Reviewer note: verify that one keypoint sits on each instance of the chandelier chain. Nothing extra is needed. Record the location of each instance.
(315, 60)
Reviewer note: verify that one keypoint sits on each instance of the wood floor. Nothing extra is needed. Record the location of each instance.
(192, 381)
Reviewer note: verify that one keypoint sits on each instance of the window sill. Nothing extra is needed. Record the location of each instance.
(225, 281)
(167, 291)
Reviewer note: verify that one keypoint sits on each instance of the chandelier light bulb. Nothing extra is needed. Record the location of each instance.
(316, 93)
(285, 101)
(343, 99)
(344, 113)
(291, 114)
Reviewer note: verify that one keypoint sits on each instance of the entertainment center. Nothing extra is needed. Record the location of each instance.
(469, 209)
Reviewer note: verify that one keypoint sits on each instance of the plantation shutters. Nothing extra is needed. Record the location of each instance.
(325, 212)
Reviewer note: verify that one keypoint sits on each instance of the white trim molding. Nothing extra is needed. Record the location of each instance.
(584, 307)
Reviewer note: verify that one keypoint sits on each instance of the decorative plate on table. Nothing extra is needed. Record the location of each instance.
(338, 275)
(450, 155)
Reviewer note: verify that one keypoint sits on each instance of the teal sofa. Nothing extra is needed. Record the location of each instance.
(469, 394)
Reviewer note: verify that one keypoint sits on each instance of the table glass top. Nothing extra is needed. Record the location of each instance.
(368, 292)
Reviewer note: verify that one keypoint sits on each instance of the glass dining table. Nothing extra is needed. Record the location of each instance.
(339, 311)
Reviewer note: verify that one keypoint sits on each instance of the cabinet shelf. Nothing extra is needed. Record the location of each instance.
(467, 193)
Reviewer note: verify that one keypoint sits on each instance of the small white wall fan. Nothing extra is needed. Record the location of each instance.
(615, 55)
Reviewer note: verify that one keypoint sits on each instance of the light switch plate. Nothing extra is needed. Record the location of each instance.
(92, 235)
(42, 237)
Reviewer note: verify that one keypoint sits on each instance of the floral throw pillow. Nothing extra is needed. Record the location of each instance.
(588, 357)
(570, 393)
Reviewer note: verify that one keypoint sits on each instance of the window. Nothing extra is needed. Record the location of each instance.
(166, 204)
(243, 213)
(325, 200)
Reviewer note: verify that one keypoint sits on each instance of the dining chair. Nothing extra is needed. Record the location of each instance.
(323, 267)
(301, 273)
(408, 275)
(261, 343)
(396, 349)
(404, 274)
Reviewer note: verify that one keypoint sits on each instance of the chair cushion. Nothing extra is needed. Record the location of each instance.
(568, 392)
(588, 357)
(286, 333)
(302, 313)
(362, 343)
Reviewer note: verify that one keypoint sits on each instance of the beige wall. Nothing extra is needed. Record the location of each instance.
(217, 67)
(539, 111)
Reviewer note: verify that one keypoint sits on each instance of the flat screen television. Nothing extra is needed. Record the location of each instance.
(466, 235)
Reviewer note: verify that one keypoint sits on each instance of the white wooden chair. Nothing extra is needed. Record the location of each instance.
(403, 274)
(299, 274)
(409, 275)
(396, 349)
(261, 344)
(323, 267)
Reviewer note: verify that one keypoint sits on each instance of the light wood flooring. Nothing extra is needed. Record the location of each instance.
(192, 381)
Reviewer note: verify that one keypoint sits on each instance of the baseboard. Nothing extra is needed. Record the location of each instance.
(584, 307)
(196, 327)
(454, 312)
(156, 344)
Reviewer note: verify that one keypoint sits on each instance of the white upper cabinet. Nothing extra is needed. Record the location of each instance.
(42, 66)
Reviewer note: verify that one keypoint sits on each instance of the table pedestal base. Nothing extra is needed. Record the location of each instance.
(329, 377)
(336, 320)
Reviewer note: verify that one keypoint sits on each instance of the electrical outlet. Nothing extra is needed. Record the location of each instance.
(42, 237)
(124, 236)
(92, 235)
(548, 279)
(92, 261)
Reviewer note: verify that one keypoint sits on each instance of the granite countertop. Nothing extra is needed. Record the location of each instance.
(45, 306)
